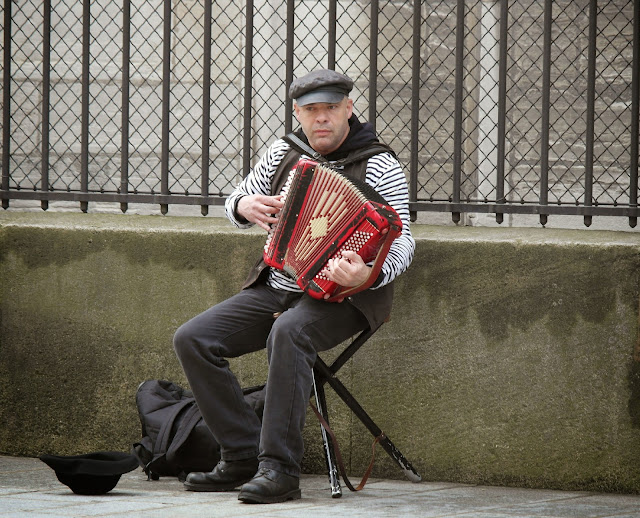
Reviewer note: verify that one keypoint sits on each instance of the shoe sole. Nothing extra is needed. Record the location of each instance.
(251, 498)
(215, 488)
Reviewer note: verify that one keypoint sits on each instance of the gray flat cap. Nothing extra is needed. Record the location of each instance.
(320, 86)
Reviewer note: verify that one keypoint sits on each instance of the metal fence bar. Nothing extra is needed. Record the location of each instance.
(84, 132)
(635, 113)
(288, 108)
(166, 103)
(331, 34)
(591, 95)
(557, 210)
(502, 106)
(206, 106)
(415, 104)
(46, 98)
(6, 103)
(124, 135)
(544, 130)
(457, 135)
(89, 197)
(248, 70)
(373, 62)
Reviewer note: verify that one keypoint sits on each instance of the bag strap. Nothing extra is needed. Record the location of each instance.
(164, 435)
(334, 440)
(189, 421)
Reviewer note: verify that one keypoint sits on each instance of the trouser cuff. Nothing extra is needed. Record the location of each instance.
(235, 455)
(282, 468)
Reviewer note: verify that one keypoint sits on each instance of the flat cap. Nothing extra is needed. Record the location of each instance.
(320, 86)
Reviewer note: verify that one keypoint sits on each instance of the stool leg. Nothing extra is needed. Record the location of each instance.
(350, 401)
(321, 403)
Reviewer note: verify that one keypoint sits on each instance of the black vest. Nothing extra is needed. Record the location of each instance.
(375, 305)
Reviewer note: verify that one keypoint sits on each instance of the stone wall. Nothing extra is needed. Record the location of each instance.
(511, 356)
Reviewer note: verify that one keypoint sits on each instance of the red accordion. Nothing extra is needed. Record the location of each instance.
(326, 212)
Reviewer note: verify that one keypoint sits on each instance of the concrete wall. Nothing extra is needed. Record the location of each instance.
(509, 358)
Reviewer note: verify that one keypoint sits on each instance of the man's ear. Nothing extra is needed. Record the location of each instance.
(296, 111)
(349, 108)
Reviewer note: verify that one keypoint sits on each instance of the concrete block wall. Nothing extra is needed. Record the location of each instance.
(511, 356)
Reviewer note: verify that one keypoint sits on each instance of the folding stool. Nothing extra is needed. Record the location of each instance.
(322, 373)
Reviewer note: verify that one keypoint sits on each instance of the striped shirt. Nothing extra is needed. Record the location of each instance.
(383, 173)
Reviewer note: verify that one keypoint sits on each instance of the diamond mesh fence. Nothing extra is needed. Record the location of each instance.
(526, 106)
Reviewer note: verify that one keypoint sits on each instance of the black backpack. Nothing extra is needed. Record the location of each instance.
(175, 439)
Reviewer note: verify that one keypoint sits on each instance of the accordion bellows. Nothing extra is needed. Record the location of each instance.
(326, 212)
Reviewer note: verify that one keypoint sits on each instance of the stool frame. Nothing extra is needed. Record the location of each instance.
(326, 374)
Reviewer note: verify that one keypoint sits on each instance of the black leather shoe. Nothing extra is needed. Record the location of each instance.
(227, 475)
(270, 487)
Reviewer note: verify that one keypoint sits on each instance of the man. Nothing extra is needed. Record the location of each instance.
(265, 458)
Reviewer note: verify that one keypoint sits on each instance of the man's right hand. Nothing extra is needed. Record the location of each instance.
(260, 209)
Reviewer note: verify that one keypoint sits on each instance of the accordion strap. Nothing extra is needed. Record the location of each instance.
(300, 145)
(364, 153)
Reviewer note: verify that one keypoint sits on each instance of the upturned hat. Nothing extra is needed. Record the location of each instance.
(320, 86)
(93, 473)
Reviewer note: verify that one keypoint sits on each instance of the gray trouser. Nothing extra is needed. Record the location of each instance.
(245, 323)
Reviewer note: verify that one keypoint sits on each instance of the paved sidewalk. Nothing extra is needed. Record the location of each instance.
(29, 488)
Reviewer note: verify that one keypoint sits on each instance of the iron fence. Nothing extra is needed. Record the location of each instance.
(506, 106)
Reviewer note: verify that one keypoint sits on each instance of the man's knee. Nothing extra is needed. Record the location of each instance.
(285, 327)
(182, 340)
(287, 333)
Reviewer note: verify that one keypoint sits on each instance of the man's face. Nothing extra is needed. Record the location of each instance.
(326, 125)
